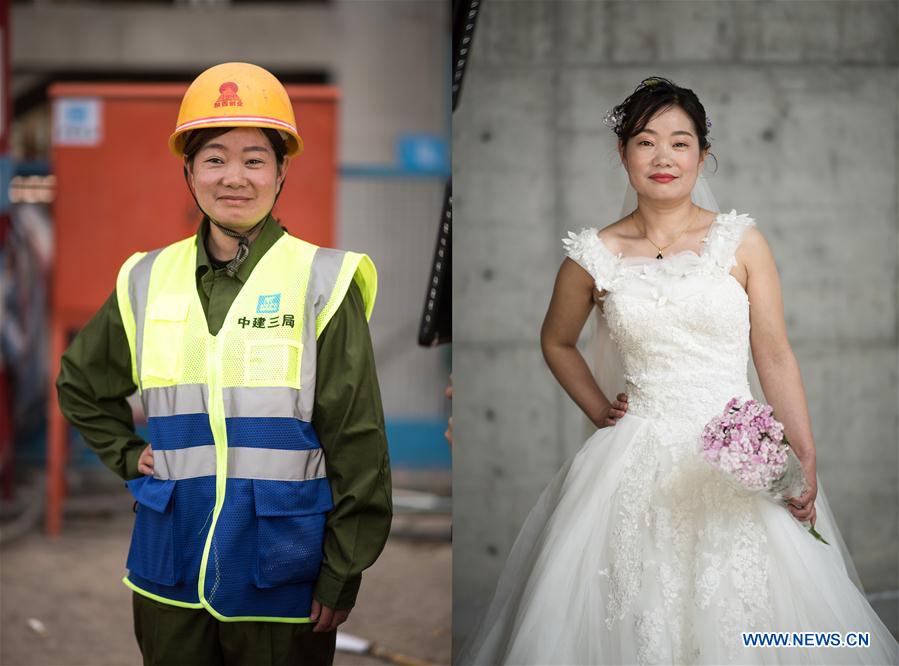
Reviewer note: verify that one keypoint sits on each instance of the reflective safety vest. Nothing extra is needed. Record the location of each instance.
(233, 517)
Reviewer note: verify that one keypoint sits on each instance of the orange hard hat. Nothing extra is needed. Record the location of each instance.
(236, 94)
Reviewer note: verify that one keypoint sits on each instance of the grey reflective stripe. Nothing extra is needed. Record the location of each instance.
(306, 399)
(259, 402)
(322, 277)
(275, 465)
(184, 463)
(178, 399)
(243, 463)
(138, 290)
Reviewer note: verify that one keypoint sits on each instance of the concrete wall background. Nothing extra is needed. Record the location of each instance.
(803, 97)
(390, 59)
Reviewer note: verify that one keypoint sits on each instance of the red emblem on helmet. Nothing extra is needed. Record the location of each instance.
(228, 96)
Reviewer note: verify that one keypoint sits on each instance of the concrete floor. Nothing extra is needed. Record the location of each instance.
(72, 585)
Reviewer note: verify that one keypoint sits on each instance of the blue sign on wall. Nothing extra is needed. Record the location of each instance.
(77, 121)
(424, 153)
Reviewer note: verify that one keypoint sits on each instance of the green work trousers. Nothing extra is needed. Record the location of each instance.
(174, 636)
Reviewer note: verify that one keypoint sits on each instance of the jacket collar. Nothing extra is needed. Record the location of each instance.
(271, 232)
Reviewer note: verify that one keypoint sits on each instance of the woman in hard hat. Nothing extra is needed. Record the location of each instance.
(264, 490)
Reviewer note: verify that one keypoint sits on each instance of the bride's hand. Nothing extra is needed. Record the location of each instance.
(803, 507)
(615, 411)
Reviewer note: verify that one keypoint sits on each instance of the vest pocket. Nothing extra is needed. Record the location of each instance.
(164, 337)
(152, 552)
(275, 362)
(290, 529)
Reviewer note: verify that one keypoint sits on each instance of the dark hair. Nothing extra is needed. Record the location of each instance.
(199, 138)
(652, 95)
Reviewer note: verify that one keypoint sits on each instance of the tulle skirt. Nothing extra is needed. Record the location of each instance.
(637, 552)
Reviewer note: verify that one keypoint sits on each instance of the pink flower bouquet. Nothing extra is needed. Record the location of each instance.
(748, 445)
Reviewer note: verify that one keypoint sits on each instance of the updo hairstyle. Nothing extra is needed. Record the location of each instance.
(652, 95)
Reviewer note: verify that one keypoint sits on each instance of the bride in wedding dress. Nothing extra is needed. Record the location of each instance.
(638, 552)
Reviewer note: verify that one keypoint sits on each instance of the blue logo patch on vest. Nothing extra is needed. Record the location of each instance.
(268, 303)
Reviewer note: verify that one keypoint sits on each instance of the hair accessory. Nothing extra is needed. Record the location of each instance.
(614, 120)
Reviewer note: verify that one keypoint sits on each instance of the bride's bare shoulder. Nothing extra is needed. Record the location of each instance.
(754, 250)
(614, 234)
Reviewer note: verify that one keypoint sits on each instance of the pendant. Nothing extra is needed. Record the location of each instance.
(659, 256)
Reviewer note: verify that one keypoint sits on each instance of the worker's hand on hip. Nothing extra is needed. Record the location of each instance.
(327, 619)
(145, 462)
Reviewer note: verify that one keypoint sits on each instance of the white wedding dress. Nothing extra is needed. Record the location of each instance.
(639, 553)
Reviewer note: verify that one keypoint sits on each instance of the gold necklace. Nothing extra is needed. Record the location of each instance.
(659, 255)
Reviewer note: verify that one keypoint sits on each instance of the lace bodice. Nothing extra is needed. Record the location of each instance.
(681, 323)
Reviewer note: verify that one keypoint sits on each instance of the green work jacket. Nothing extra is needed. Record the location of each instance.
(95, 378)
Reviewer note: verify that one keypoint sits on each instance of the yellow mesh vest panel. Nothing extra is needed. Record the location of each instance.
(262, 334)
(175, 342)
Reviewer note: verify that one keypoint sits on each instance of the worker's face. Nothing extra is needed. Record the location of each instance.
(235, 177)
